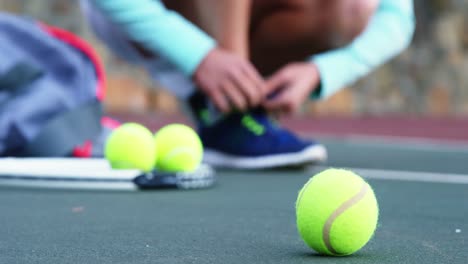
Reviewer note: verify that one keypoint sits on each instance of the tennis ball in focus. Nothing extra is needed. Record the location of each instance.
(336, 212)
(131, 146)
(178, 148)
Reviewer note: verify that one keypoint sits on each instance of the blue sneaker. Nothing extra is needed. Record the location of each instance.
(254, 141)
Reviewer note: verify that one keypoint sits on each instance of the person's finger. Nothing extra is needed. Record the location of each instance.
(289, 108)
(256, 79)
(283, 106)
(276, 83)
(246, 87)
(275, 104)
(284, 100)
(219, 100)
(291, 97)
(277, 114)
(234, 95)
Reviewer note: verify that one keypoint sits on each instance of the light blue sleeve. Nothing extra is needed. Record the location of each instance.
(160, 30)
(389, 32)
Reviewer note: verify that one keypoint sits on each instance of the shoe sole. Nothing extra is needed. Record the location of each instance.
(311, 155)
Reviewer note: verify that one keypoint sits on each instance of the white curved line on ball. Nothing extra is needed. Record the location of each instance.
(341, 209)
(177, 151)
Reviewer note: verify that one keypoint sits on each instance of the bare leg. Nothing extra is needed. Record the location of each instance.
(283, 31)
(275, 32)
(225, 20)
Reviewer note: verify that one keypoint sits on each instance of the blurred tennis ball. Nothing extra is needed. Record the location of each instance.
(336, 212)
(178, 148)
(131, 146)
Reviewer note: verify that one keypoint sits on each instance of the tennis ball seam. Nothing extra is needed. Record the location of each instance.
(340, 210)
(177, 151)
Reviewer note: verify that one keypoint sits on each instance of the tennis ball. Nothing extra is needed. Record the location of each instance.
(178, 148)
(131, 146)
(336, 212)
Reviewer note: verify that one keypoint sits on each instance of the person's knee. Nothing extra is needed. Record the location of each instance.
(332, 22)
(352, 17)
(288, 30)
(338, 21)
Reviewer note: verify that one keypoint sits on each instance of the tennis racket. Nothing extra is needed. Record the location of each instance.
(72, 173)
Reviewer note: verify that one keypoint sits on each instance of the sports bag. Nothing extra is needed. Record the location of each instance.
(51, 87)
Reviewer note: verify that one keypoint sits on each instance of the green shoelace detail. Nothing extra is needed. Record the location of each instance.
(250, 123)
(205, 116)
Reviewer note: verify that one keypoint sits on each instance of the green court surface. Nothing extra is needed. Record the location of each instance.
(248, 217)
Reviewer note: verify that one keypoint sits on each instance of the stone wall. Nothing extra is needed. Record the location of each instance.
(430, 78)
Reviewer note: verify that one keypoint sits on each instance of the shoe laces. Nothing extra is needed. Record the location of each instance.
(253, 125)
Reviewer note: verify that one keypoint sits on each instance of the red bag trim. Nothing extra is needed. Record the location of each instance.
(85, 48)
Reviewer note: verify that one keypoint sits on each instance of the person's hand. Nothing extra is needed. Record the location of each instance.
(229, 81)
(290, 87)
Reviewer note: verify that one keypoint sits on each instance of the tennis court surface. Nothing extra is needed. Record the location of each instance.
(249, 217)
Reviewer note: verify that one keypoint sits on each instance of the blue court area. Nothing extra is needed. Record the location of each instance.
(249, 217)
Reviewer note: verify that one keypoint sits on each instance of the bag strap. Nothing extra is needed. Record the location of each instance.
(63, 133)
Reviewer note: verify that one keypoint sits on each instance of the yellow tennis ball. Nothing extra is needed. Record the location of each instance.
(178, 148)
(131, 146)
(336, 212)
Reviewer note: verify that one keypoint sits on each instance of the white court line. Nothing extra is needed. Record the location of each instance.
(395, 142)
(411, 176)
